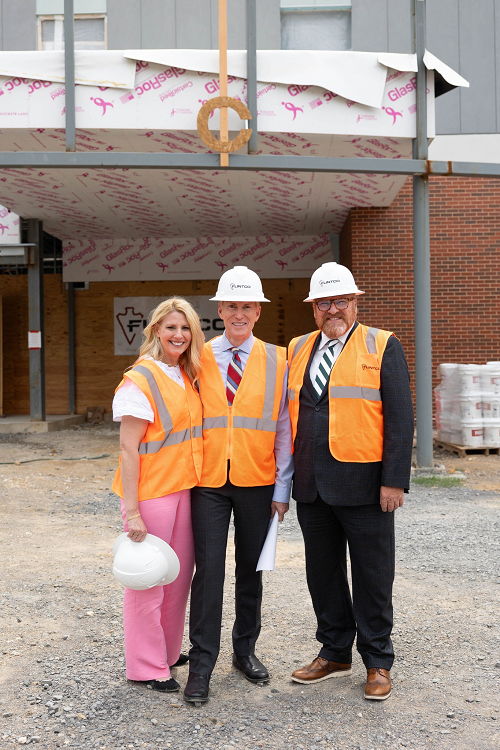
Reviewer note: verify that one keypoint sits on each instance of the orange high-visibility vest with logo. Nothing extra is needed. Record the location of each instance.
(171, 451)
(245, 431)
(356, 421)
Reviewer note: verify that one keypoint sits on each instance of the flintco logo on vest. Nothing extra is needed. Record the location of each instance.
(330, 281)
(239, 286)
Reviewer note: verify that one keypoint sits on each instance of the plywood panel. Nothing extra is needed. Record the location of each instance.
(98, 370)
(14, 291)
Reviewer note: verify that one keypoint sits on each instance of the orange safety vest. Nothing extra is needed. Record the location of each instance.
(171, 451)
(245, 431)
(356, 423)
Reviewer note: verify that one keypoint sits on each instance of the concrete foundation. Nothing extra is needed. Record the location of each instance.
(19, 424)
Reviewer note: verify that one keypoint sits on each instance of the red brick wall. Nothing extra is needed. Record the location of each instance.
(377, 244)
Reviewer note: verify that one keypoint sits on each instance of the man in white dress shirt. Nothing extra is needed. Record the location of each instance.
(247, 471)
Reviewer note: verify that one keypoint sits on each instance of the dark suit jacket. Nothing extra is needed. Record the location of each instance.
(340, 483)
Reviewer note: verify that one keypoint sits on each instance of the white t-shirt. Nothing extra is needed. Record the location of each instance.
(130, 401)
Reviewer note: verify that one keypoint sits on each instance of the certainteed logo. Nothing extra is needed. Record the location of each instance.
(240, 286)
(330, 281)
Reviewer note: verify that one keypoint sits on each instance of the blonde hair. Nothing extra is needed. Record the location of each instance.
(190, 360)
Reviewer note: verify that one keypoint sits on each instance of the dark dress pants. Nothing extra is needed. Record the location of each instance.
(211, 512)
(369, 532)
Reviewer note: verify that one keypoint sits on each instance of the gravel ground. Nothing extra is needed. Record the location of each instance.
(62, 676)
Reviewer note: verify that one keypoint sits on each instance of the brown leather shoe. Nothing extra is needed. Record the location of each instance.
(320, 669)
(378, 684)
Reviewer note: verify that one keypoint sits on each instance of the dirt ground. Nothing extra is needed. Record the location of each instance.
(62, 679)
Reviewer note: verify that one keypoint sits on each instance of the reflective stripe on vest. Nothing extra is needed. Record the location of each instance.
(171, 438)
(370, 340)
(271, 373)
(245, 432)
(252, 423)
(347, 391)
(266, 423)
(214, 423)
(298, 346)
(355, 431)
(171, 451)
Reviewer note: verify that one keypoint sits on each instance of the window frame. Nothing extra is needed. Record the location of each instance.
(78, 17)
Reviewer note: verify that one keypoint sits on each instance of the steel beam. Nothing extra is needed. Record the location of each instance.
(36, 322)
(262, 162)
(242, 162)
(252, 73)
(421, 257)
(69, 74)
(464, 168)
(71, 347)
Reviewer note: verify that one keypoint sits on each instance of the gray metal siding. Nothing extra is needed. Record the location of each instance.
(124, 24)
(399, 25)
(154, 24)
(158, 18)
(478, 65)
(447, 106)
(187, 24)
(369, 26)
(18, 24)
(465, 34)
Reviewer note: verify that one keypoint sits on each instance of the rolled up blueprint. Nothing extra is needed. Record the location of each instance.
(268, 555)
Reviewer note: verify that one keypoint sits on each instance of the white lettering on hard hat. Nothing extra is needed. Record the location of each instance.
(239, 286)
(330, 281)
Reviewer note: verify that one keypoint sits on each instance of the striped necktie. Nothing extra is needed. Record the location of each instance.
(325, 368)
(234, 375)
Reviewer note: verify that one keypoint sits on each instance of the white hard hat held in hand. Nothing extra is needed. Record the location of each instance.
(142, 565)
(331, 280)
(239, 284)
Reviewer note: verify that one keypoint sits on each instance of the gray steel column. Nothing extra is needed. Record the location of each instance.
(71, 347)
(36, 321)
(252, 72)
(69, 74)
(422, 256)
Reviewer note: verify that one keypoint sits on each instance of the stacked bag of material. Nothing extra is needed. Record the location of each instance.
(468, 405)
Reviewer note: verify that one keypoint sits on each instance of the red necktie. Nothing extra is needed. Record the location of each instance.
(234, 375)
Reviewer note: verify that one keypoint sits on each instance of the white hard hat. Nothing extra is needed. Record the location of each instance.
(331, 280)
(239, 284)
(142, 565)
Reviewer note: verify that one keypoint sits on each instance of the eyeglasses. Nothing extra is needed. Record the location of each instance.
(340, 304)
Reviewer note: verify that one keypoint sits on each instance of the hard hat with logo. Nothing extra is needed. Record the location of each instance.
(239, 284)
(330, 280)
(142, 565)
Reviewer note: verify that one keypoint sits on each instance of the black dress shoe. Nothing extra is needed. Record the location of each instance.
(165, 686)
(197, 688)
(183, 659)
(251, 667)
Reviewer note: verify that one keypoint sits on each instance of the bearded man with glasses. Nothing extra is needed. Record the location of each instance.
(352, 420)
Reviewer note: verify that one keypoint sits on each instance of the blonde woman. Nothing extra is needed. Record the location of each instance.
(159, 408)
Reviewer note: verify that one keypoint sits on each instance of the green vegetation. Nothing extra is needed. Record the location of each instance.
(439, 481)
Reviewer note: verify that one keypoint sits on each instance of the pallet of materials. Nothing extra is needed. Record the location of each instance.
(468, 406)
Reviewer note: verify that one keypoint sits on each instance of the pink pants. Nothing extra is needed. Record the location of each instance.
(153, 620)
